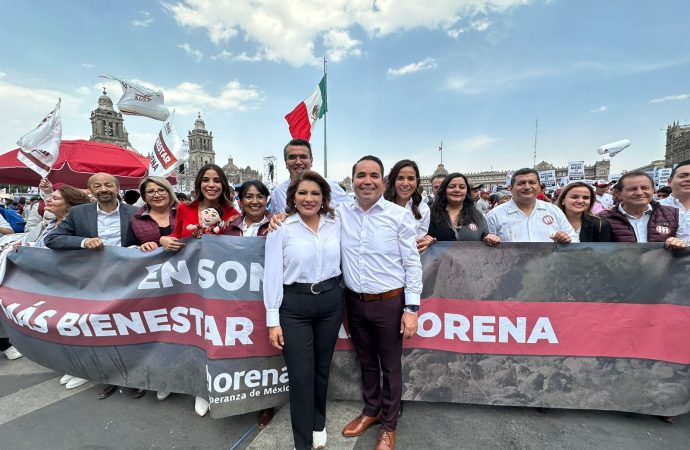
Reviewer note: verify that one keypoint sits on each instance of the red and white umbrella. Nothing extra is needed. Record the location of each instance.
(77, 161)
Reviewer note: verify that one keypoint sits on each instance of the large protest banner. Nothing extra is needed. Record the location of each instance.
(603, 326)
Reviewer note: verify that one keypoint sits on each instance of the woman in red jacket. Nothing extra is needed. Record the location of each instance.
(213, 191)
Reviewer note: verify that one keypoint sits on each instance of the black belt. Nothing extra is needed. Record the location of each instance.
(313, 288)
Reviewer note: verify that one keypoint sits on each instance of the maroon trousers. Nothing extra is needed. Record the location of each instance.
(375, 330)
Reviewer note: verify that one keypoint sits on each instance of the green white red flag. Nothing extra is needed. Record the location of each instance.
(302, 118)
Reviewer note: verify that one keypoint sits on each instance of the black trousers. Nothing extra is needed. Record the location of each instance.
(310, 326)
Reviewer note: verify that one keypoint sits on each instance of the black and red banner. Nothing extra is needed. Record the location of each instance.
(603, 326)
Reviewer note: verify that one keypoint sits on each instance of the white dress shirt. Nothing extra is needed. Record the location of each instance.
(422, 223)
(638, 224)
(509, 223)
(109, 230)
(379, 250)
(279, 196)
(683, 219)
(296, 254)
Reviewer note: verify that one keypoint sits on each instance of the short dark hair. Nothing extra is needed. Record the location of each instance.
(368, 158)
(310, 175)
(667, 190)
(263, 190)
(131, 196)
(680, 164)
(297, 143)
(438, 175)
(524, 171)
(635, 173)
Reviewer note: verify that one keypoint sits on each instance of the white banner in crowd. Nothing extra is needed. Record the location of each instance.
(137, 100)
(576, 170)
(39, 148)
(548, 178)
(169, 150)
(661, 176)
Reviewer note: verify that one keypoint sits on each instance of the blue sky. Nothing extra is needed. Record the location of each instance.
(403, 77)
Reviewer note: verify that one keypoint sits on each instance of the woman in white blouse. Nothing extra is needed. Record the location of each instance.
(303, 295)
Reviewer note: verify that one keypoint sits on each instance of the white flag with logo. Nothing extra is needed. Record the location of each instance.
(137, 100)
(169, 151)
(39, 148)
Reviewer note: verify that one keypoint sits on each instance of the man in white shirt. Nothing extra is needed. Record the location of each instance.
(680, 197)
(298, 158)
(383, 277)
(526, 219)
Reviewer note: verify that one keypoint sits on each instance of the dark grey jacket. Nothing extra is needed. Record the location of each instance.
(82, 222)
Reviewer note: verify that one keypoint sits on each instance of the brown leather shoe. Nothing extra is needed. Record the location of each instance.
(265, 417)
(386, 440)
(359, 425)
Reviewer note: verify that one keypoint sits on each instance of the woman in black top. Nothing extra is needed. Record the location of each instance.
(576, 203)
(454, 216)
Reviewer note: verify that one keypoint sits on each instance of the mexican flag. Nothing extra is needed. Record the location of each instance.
(302, 118)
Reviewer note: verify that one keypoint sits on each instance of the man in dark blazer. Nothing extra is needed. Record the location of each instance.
(95, 225)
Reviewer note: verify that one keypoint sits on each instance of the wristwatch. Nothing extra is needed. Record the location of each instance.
(411, 309)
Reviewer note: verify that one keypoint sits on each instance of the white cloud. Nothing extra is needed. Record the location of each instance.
(87, 65)
(83, 90)
(22, 108)
(602, 108)
(3, 74)
(145, 22)
(426, 64)
(243, 57)
(190, 51)
(223, 55)
(290, 31)
(671, 98)
(340, 45)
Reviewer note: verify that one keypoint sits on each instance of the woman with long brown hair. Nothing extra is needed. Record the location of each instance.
(576, 202)
(403, 188)
(212, 191)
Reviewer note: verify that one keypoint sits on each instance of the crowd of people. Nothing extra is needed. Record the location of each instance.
(328, 253)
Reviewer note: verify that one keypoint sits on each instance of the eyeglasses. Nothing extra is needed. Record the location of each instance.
(154, 192)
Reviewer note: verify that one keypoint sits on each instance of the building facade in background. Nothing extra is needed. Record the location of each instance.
(107, 125)
(677, 143)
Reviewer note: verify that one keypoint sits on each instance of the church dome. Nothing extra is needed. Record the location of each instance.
(199, 123)
(104, 102)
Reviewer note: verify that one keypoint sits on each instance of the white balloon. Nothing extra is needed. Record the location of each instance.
(614, 148)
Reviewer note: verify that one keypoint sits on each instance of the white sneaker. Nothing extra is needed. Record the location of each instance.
(65, 378)
(75, 382)
(12, 353)
(318, 439)
(162, 395)
(201, 406)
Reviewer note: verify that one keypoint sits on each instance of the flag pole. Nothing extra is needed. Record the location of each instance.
(325, 152)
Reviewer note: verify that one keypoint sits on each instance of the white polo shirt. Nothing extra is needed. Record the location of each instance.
(509, 223)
